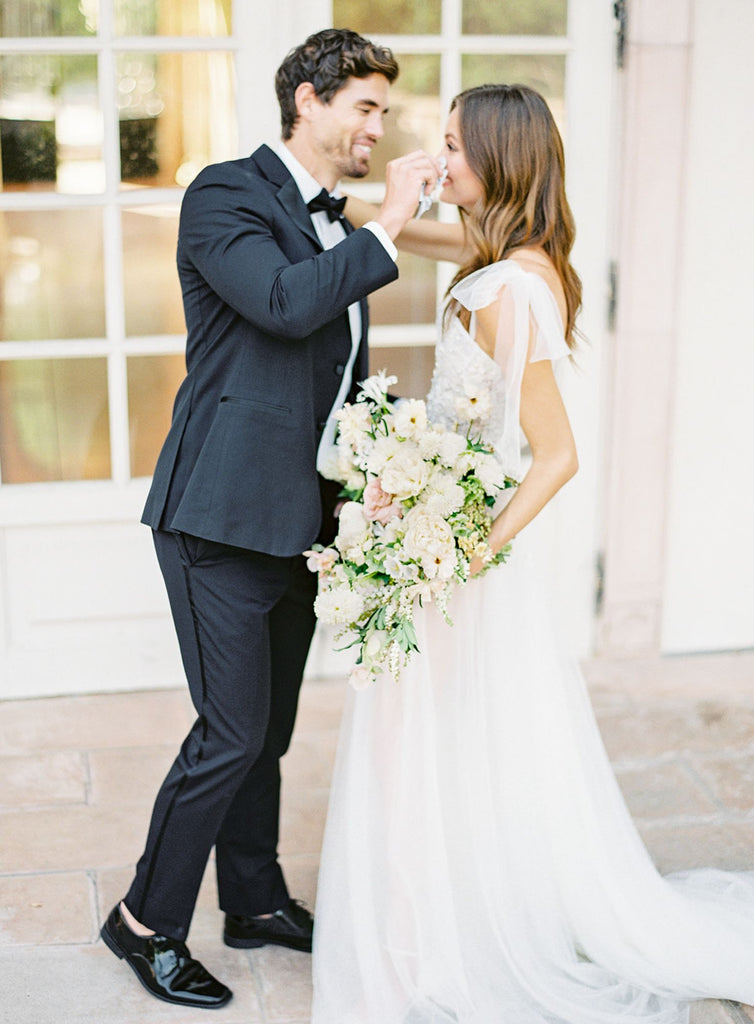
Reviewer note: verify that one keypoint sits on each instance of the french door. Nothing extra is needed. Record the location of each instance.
(108, 108)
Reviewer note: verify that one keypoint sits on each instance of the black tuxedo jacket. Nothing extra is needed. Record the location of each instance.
(268, 339)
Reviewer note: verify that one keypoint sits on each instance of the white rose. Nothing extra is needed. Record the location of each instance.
(429, 540)
(406, 474)
(409, 418)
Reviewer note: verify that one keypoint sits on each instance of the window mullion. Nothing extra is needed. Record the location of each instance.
(117, 384)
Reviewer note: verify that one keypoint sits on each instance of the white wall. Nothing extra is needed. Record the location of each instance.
(709, 569)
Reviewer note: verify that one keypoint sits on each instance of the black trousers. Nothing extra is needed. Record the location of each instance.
(244, 622)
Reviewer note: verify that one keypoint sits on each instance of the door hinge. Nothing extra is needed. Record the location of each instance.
(599, 582)
(612, 294)
(620, 12)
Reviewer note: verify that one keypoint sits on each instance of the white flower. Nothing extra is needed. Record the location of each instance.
(445, 445)
(476, 401)
(429, 540)
(389, 533)
(354, 424)
(400, 569)
(328, 464)
(338, 606)
(489, 471)
(406, 474)
(443, 495)
(466, 463)
(384, 449)
(409, 418)
(354, 533)
(376, 387)
(349, 475)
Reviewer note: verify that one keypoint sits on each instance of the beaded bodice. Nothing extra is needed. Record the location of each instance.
(467, 393)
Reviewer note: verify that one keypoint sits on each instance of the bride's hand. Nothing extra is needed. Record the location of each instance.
(403, 181)
(475, 566)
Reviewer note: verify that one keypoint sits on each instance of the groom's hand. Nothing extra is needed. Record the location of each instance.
(403, 182)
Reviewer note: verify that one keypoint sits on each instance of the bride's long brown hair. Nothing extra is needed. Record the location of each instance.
(513, 146)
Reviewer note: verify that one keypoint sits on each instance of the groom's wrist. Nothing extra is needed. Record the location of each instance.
(382, 236)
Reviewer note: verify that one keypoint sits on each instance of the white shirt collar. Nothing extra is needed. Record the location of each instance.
(308, 186)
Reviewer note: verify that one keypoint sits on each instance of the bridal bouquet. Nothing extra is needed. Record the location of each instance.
(418, 510)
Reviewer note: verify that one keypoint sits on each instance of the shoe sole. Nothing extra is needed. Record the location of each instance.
(234, 943)
(114, 947)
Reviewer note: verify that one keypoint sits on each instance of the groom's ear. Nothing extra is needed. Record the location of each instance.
(305, 99)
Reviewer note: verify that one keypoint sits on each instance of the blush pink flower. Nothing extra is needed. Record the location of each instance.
(379, 506)
(360, 677)
(321, 561)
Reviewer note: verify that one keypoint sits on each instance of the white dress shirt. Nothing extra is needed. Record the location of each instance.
(330, 232)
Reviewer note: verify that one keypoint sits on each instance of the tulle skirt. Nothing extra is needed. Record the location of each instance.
(480, 865)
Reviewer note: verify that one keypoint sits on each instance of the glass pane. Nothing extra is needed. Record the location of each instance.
(390, 17)
(515, 17)
(50, 123)
(412, 366)
(177, 114)
(172, 17)
(414, 120)
(54, 420)
(412, 299)
(543, 72)
(150, 279)
(53, 282)
(152, 384)
(34, 18)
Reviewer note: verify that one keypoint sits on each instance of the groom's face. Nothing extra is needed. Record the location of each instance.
(345, 130)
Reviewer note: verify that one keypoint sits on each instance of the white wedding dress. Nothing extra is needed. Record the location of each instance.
(479, 864)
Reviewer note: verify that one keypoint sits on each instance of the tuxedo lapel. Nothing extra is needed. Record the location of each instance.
(274, 170)
(290, 199)
(271, 167)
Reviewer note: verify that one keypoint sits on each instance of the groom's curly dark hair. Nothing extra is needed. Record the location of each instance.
(328, 59)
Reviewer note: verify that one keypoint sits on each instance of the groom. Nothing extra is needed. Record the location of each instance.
(274, 284)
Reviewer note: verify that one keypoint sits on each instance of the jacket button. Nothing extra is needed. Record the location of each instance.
(339, 369)
(322, 424)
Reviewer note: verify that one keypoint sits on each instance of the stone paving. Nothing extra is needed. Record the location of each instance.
(78, 775)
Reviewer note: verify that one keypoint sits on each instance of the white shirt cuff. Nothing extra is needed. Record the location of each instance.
(379, 232)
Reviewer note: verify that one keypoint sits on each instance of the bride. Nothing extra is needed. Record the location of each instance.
(479, 864)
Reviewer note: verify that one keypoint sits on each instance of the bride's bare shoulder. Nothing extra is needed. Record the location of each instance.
(537, 261)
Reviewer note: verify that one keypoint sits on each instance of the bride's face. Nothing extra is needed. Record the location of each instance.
(462, 187)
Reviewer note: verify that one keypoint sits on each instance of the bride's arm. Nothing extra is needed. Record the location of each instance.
(428, 238)
(545, 423)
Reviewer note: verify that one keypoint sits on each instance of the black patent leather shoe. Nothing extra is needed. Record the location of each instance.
(292, 927)
(164, 966)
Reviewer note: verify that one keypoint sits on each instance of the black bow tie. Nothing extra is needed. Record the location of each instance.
(324, 201)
